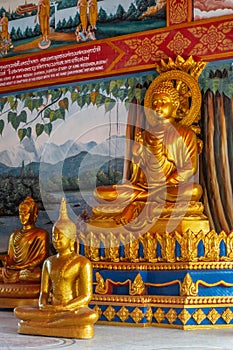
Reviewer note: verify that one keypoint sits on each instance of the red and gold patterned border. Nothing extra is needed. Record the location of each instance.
(206, 39)
(179, 11)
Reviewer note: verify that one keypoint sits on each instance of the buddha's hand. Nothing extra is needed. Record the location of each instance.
(7, 262)
(127, 215)
(55, 308)
(137, 147)
(138, 137)
(63, 307)
(13, 267)
(47, 307)
(3, 258)
(173, 178)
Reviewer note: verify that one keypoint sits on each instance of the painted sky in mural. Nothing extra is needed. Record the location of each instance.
(212, 8)
(91, 124)
(109, 5)
(89, 129)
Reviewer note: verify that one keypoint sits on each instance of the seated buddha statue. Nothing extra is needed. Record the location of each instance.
(163, 165)
(66, 289)
(27, 249)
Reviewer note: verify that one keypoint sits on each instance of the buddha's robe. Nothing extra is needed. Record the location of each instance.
(163, 164)
(44, 14)
(4, 23)
(82, 4)
(27, 251)
(93, 12)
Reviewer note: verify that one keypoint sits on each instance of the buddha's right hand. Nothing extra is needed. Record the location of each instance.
(127, 215)
(47, 307)
(4, 259)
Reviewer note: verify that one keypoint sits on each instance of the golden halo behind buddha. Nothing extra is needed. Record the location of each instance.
(191, 97)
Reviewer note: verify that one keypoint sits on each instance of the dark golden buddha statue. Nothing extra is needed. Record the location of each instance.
(66, 290)
(27, 249)
(163, 183)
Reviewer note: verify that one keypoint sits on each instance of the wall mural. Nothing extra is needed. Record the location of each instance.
(73, 118)
(33, 26)
(72, 138)
(67, 138)
(212, 8)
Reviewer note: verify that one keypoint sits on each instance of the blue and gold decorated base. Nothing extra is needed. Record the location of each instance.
(179, 296)
(174, 295)
(165, 280)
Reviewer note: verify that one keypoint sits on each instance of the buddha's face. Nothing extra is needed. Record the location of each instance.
(163, 105)
(61, 242)
(25, 214)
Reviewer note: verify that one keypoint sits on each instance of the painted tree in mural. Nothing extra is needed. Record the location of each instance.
(216, 163)
(38, 112)
(43, 108)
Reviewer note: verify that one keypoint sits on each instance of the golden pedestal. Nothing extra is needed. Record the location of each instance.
(179, 279)
(80, 332)
(187, 223)
(18, 294)
(172, 217)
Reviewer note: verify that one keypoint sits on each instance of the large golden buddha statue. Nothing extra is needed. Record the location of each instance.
(27, 249)
(162, 185)
(66, 290)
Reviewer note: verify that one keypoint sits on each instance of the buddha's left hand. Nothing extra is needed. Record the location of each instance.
(56, 308)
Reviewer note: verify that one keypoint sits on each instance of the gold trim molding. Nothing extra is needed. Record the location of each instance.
(162, 266)
(166, 301)
(161, 317)
(151, 242)
(187, 287)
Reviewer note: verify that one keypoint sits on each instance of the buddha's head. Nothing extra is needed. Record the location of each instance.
(64, 230)
(28, 211)
(165, 100)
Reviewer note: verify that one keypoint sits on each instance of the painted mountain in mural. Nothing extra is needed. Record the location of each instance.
(98, 164)
(28, 152)
(70, 154)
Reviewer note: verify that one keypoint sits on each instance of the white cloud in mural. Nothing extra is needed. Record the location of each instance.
(212, 8)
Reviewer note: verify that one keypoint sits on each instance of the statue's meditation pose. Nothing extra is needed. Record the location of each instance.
(164, 162)
(66, 290)
(27, 249)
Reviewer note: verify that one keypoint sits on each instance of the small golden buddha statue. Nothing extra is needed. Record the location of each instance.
(163, 165)
(27, 249)
(66, 290)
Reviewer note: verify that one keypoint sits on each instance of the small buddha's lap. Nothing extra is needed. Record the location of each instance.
(82, 316)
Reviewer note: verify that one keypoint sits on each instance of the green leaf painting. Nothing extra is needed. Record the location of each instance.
(38, 111)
